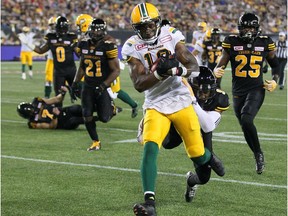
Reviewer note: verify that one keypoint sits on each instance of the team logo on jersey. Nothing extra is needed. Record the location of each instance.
(54, 41)
(165, 39)
(140, 46)
(238, 48)
(67, 42)
(99, 53)
(85, 51)
(259, 48)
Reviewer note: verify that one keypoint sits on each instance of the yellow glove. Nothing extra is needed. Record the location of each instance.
(219, 72)
(270, 85)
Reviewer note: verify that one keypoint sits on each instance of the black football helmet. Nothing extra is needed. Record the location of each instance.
(204, 86)
(25, 110)
(61, 25)
(249, 27)
(215, 34)
(97, 30)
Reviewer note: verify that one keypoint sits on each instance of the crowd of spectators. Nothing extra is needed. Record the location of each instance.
(183, 14)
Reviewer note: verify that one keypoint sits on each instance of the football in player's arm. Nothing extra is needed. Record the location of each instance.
(247, 52)
(167, 99)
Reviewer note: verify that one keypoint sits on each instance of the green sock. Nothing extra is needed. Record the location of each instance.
(47, 91)
(23, 68)
(122, 95)
(149, 166)
(202, 159)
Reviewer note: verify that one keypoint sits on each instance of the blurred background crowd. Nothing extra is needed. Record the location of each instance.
(183, 14)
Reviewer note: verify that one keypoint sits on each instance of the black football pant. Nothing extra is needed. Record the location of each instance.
(246, 108)
(281, 71)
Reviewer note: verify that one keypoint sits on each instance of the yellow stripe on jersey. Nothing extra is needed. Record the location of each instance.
(221, 109)
(226, 45)
(271, 46)
(112, 53)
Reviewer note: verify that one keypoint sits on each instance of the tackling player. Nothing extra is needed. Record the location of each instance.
(247, 53)
(167, 99)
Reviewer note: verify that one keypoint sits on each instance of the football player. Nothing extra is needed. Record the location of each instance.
(43, 114)
(82, 22)
(100, 66)
(26, 51)
(212, 50)
(49, 62)
(247, 52)
(208, 104)
(200, 33)
(158, 60)
(198, 47)
(63, 53)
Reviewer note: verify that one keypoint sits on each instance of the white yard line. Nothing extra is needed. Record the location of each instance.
(136, 170)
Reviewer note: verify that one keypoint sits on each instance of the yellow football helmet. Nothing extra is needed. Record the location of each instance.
(83, 21)
(143, 16)
(51, 21)
(202, 26)
(208, 35)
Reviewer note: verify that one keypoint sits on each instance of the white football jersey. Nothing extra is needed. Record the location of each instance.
(30, 39)
(198, 35)
(169, 95)
(199, 48)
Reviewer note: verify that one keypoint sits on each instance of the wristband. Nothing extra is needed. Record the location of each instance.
(180, 71)
(157, 75)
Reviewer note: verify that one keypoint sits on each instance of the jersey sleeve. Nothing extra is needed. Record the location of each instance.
(112, 50)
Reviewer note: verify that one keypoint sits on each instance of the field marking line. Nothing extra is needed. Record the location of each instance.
(135, 170)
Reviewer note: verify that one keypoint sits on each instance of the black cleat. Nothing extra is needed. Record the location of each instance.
(217, 165)
(144, 209)
(190, 191)
(260, 165)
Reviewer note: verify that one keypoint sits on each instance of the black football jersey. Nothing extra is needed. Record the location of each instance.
(213, 52)
(95, 60)
(43, 113)
(219, 102)
(63, 52)
(246, 62)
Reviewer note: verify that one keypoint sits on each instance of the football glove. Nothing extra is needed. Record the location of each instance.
(219, 72)
(166, 63)
(100, 89)
(74, 91)
(270, 85)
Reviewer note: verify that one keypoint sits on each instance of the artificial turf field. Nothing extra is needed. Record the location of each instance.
(50, 173)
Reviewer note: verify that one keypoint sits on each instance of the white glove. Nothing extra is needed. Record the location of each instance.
(112, 94)
(24, 40)
(270, 85)
(219, 72)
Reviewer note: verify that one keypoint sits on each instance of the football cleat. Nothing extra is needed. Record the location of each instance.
(96, 145)
(134, 111)
(23, 76)
(144, 209)
(30, 74)
(260, 165)
(190, 191)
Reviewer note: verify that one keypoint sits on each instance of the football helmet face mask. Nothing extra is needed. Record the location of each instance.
(25, 110)
(82, 22)
(248, 26)
(146, 22)
(204, 86)
(97, 30)
(61, 25)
